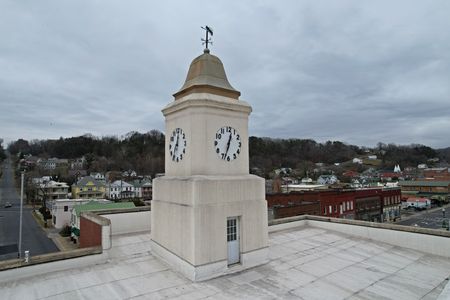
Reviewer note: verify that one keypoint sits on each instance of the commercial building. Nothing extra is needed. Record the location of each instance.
(438, 190)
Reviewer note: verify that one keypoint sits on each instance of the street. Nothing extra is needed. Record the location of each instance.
(34, 238)
(427, 219)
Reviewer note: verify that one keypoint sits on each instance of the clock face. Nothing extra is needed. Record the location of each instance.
(177, 145)
(227, 143)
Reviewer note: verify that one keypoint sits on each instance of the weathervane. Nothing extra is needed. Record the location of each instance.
(207, 39)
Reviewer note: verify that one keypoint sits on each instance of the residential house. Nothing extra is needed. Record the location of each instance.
(51, 163)
(98, 176)
(129, 173)
(357, 160)
(147, 188)
(52, 190)
(77, 163)
(327, 179)
(120, 189)
(88, 188)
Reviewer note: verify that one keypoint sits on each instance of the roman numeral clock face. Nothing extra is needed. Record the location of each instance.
(177, 145)
(227, 143)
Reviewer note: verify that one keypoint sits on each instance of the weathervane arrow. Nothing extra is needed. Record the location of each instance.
(207, 39)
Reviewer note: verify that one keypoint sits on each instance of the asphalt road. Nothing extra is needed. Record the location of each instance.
(427, 219)
(34, 238)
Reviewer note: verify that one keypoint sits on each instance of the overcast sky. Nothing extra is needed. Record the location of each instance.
(356, 71)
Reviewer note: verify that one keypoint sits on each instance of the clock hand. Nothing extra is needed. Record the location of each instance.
(228, 145)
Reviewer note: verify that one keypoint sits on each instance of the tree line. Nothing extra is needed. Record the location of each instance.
(144, 152)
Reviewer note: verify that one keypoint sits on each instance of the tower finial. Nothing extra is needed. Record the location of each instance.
(207, 39)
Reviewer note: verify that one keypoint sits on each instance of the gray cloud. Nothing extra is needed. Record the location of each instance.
(356, 71)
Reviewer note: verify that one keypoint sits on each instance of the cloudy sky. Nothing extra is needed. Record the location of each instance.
(355, 71)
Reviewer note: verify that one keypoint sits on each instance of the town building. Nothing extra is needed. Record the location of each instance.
(209, 215)
(391, 203)
(120, 189)
(77, 163)
(52, 190)
(92, 206)
(438, 190)
(88, 188)
(61, 209)
(368, 204)
(98, 176)
(147, 189)
(51, 163)
(327, 179)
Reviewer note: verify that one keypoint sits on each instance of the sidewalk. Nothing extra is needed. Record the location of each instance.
(63, 243)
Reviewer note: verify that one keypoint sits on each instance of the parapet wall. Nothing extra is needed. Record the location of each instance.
(131, 220)
(432, 241)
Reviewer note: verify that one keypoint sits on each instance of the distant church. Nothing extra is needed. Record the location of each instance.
(209, 215)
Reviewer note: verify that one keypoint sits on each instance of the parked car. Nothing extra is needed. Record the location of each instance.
(8, 204)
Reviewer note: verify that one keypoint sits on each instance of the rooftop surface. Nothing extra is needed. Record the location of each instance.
(305, 263)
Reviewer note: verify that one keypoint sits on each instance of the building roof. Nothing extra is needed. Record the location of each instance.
(94, 206)
(86, 180)
(304, 263)
(122, 183)
(424, 183)
(207, 74)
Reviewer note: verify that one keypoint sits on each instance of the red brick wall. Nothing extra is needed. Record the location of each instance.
(297, 210)
(90, 233)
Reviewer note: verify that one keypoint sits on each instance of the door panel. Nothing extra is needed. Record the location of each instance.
(233, 240)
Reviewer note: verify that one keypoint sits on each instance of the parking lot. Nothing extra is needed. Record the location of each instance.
(430, 218)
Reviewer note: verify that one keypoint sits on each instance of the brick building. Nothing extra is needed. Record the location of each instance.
(439, 190)
(364, 204)
(368, 204)
(391, 204)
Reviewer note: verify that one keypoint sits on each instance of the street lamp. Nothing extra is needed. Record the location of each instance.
(21, 208)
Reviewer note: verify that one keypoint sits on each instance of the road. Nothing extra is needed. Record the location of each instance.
(427, 219)
(34, 238)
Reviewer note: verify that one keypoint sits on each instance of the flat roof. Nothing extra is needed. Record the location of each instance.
(424, 183)
(305, 263)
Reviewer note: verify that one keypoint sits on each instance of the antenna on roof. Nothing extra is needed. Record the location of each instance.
(207, 39)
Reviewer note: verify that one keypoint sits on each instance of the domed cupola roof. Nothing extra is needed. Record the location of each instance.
(207, 75)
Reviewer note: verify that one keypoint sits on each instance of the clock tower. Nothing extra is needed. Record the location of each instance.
(209, 215)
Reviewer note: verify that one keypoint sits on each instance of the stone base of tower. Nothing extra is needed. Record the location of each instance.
(211, 270)
(190, 230)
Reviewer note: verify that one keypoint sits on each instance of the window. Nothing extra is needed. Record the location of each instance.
(335, 208)
(324, 210)
(330, 209)
(66, 208)
(351, 205)
(348, 205)
(342, 208)
(231, 230)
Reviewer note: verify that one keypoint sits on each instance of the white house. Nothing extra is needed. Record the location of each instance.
(98, 176)
(327, 179)
(61, 209)
(120, 189)
(372, 157)
(357, 161)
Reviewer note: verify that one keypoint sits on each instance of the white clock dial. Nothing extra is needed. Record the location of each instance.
(227, 143)
(177, 145)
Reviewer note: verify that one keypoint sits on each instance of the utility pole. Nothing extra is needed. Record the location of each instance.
(20, 218)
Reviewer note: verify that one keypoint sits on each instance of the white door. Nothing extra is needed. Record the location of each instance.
(233, 240)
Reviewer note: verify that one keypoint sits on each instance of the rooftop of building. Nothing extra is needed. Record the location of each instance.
(305, 262)
(424, 183)
(95, 205)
